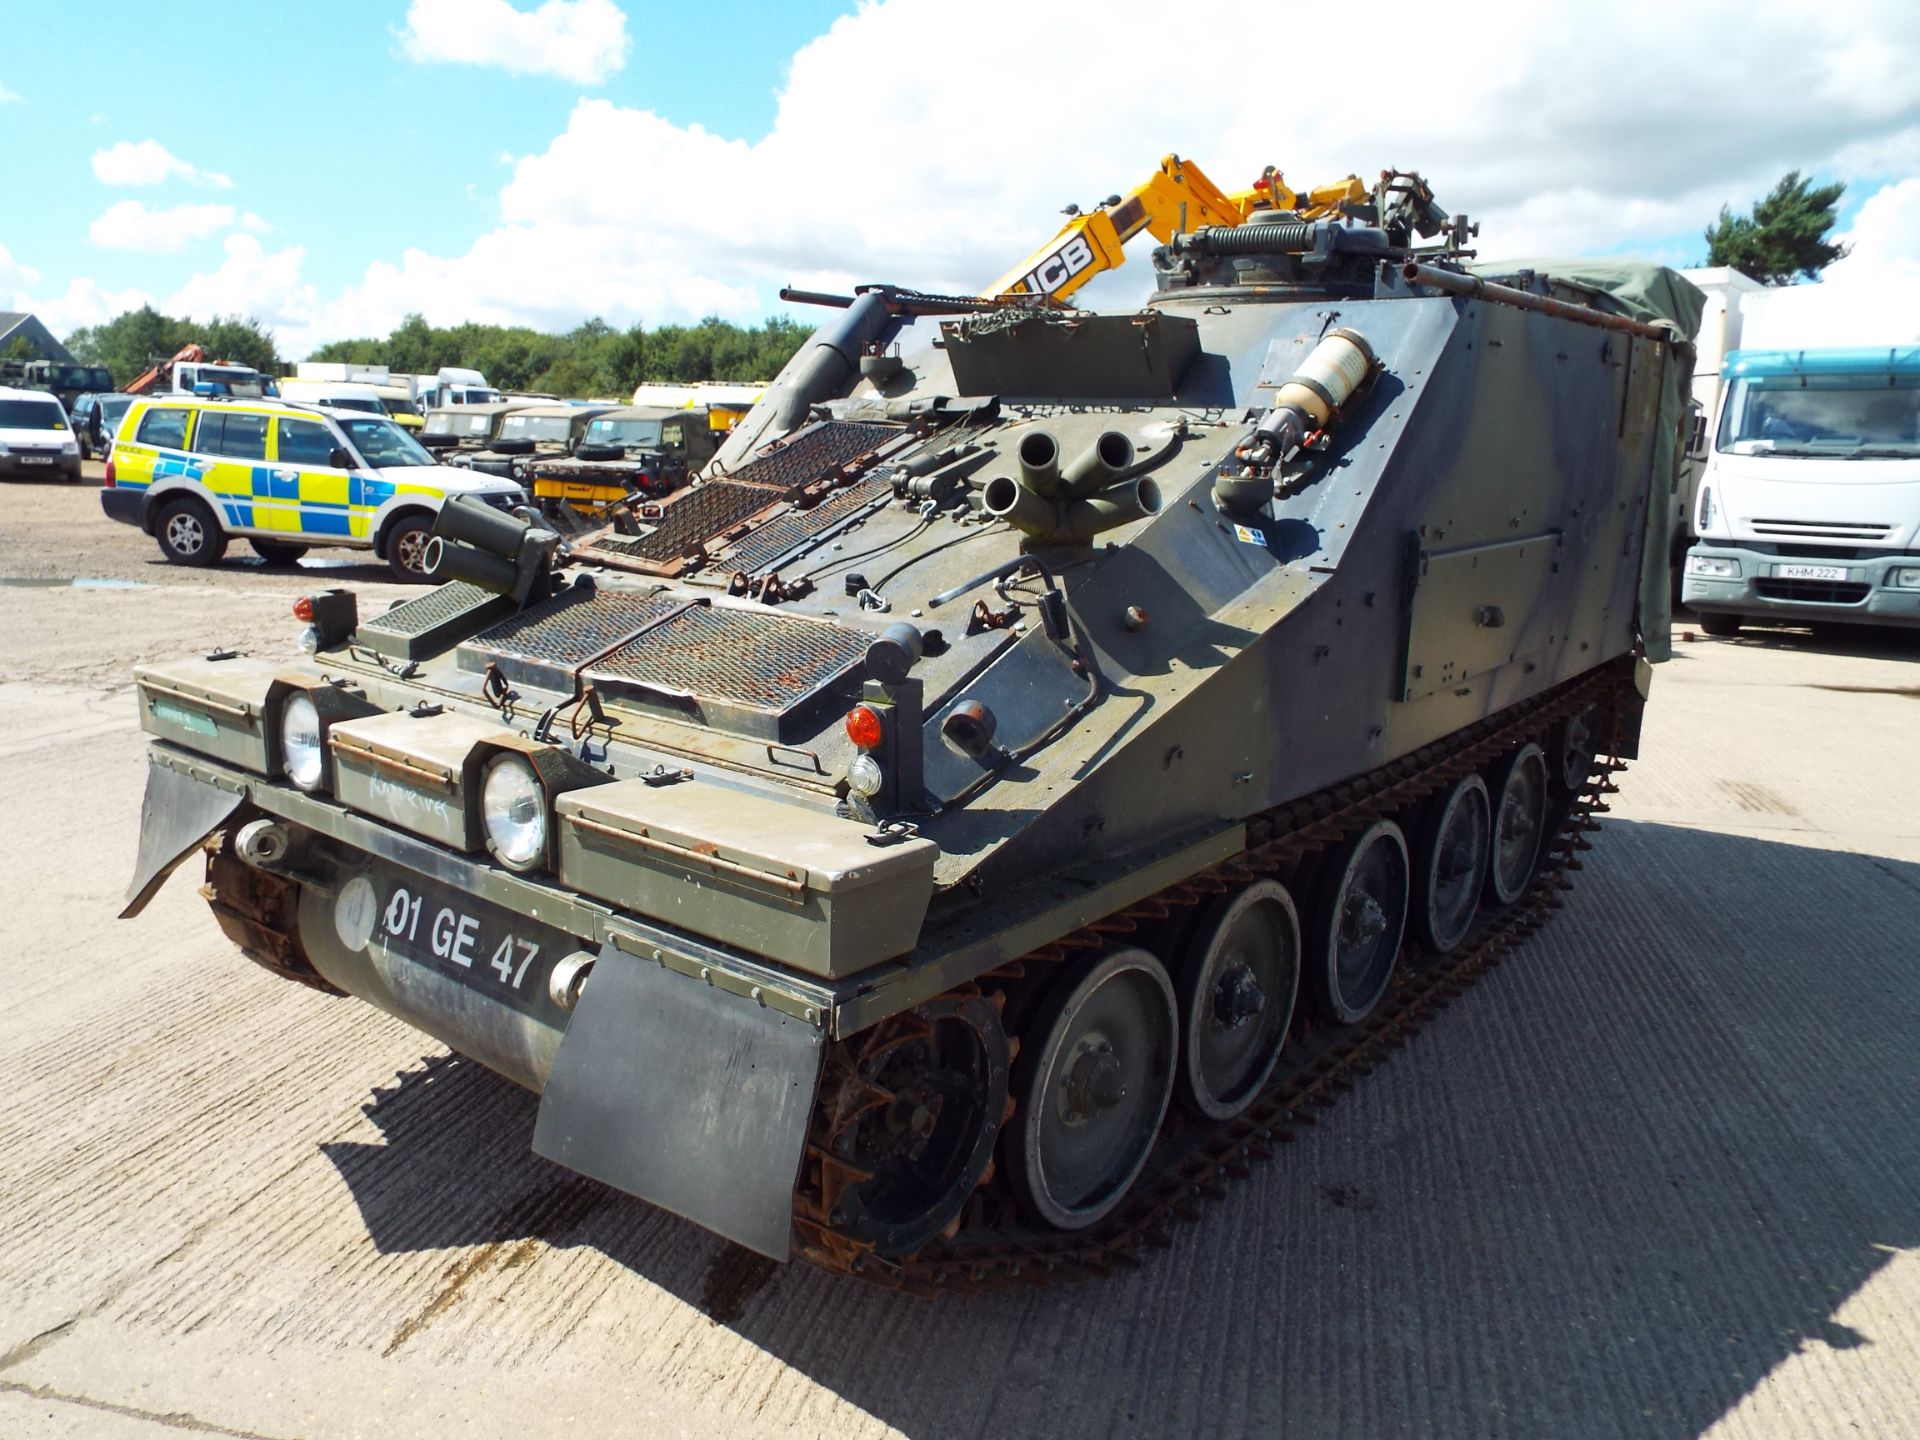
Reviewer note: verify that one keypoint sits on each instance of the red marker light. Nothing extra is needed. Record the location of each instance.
(864, 727)
(303, 608)
(108, 481)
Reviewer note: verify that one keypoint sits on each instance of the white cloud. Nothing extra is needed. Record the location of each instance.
(130, 225)
(148, 162)
(584, 41)
(251, 280)
(944, 176)
(8, 97)
(253, 224)
(82, 303)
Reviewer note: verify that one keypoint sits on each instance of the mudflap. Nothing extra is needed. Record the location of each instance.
(693, 1099)
(176, 815)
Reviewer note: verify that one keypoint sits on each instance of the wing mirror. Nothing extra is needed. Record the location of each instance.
(340, 458)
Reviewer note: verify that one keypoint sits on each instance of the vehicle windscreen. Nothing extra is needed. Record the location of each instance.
(383, 444)
(79, 377)
(446, 422)
(1872, 417)
(645, 433)
(32, 415)
(112, 408)
(399, 407)
(247, 383)
(369, 407)
(536, 428)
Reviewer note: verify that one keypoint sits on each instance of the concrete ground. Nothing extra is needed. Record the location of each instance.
(1659, 1175)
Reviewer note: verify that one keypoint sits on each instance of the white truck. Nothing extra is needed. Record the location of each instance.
(1806, 502)
(452, 386)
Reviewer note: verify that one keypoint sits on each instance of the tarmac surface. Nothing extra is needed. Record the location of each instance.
(1657, 1175)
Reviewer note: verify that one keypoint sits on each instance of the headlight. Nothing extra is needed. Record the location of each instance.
(513, 809)
(1907, 578)
(1713, 567)
(864, 776)
(301, 754)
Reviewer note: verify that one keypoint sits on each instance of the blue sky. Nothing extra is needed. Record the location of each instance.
(328, 168)
(324, 126)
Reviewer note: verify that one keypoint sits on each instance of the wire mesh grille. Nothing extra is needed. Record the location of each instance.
(739, 657)
(785, 532)
(691, 518)
(425, 612)
(814, 452)
(571, 631)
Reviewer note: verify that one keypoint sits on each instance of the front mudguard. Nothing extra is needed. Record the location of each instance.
(689, 1097)
(178, 812)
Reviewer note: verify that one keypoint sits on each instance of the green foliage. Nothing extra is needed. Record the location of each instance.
(1784, 237)
(20, 348)
(131, 342)
(592, 359)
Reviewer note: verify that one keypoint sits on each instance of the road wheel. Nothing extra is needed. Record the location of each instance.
(1720, 625)
(407, 547)
(1093, 1080)
(277, 552)
(1361, 918)
(1518, 786)
(188, 533)
(1237, 984)
(1451, 865)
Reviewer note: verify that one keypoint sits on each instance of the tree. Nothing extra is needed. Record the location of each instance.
(1785, 236)
(130, 342)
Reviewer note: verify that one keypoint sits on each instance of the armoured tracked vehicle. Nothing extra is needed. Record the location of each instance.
(1043, 753)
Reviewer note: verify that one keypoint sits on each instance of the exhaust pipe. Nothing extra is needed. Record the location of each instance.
(1070, 521)
(1099, 465)
(1039, 457)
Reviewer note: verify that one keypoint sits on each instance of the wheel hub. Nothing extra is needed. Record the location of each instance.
(1095, 1081)
(1362, 921)
(1237, 998)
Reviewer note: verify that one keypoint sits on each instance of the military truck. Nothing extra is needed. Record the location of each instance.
(975, 820)
(634, 451)
(466, 429)
(532, 433)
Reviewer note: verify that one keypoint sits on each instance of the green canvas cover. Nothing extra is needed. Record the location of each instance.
(1639, 290)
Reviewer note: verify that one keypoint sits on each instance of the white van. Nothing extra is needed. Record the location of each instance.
(36, 438)
(1809, 505)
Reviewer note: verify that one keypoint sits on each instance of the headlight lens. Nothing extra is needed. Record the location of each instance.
(1713, 567)
(300, 750)
(514, 810)
(864, 776)
(1907, 578)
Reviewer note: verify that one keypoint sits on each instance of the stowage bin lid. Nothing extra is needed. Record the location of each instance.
(824, 853)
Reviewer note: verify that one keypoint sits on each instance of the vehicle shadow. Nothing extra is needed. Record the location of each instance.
(1866, 642)
(1641, 1165)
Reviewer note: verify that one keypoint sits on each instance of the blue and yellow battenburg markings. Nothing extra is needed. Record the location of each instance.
(276, 497)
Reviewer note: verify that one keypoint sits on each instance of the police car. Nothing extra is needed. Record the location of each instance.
(194, 471)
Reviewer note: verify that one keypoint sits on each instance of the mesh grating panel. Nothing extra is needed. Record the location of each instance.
(572, 631)
(436, 607)
(691, 518)
(815, 451)
(738, 657)
(783, 533)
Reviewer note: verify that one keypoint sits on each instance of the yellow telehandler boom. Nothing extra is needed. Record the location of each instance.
(1175, 199)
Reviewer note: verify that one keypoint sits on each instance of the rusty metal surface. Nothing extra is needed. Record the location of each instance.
(783, 534)
(816, 451)
(570, 629)
(738, 657)
(690, 520)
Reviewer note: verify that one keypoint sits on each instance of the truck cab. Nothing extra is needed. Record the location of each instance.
(1809, 503)
(639, 449)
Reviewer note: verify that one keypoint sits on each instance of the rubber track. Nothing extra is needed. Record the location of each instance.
(1193, 1168)
(260, 914)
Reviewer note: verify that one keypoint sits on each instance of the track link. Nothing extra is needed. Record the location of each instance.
(261, 914)
(992, 1248)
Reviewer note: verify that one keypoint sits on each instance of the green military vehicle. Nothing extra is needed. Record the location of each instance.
(633, 452)
(453, 430)
(969, 823)
(531, 435)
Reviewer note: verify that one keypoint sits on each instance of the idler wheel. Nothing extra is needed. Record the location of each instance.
(1451, 866)
(1360, 921)
(934, 1093)
(1092, 1083)
(1237, 987)
(1575, 741)
(1518, 786)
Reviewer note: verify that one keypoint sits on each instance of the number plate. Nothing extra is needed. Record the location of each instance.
(492, 949)
(36, 459)
(1811, 572)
